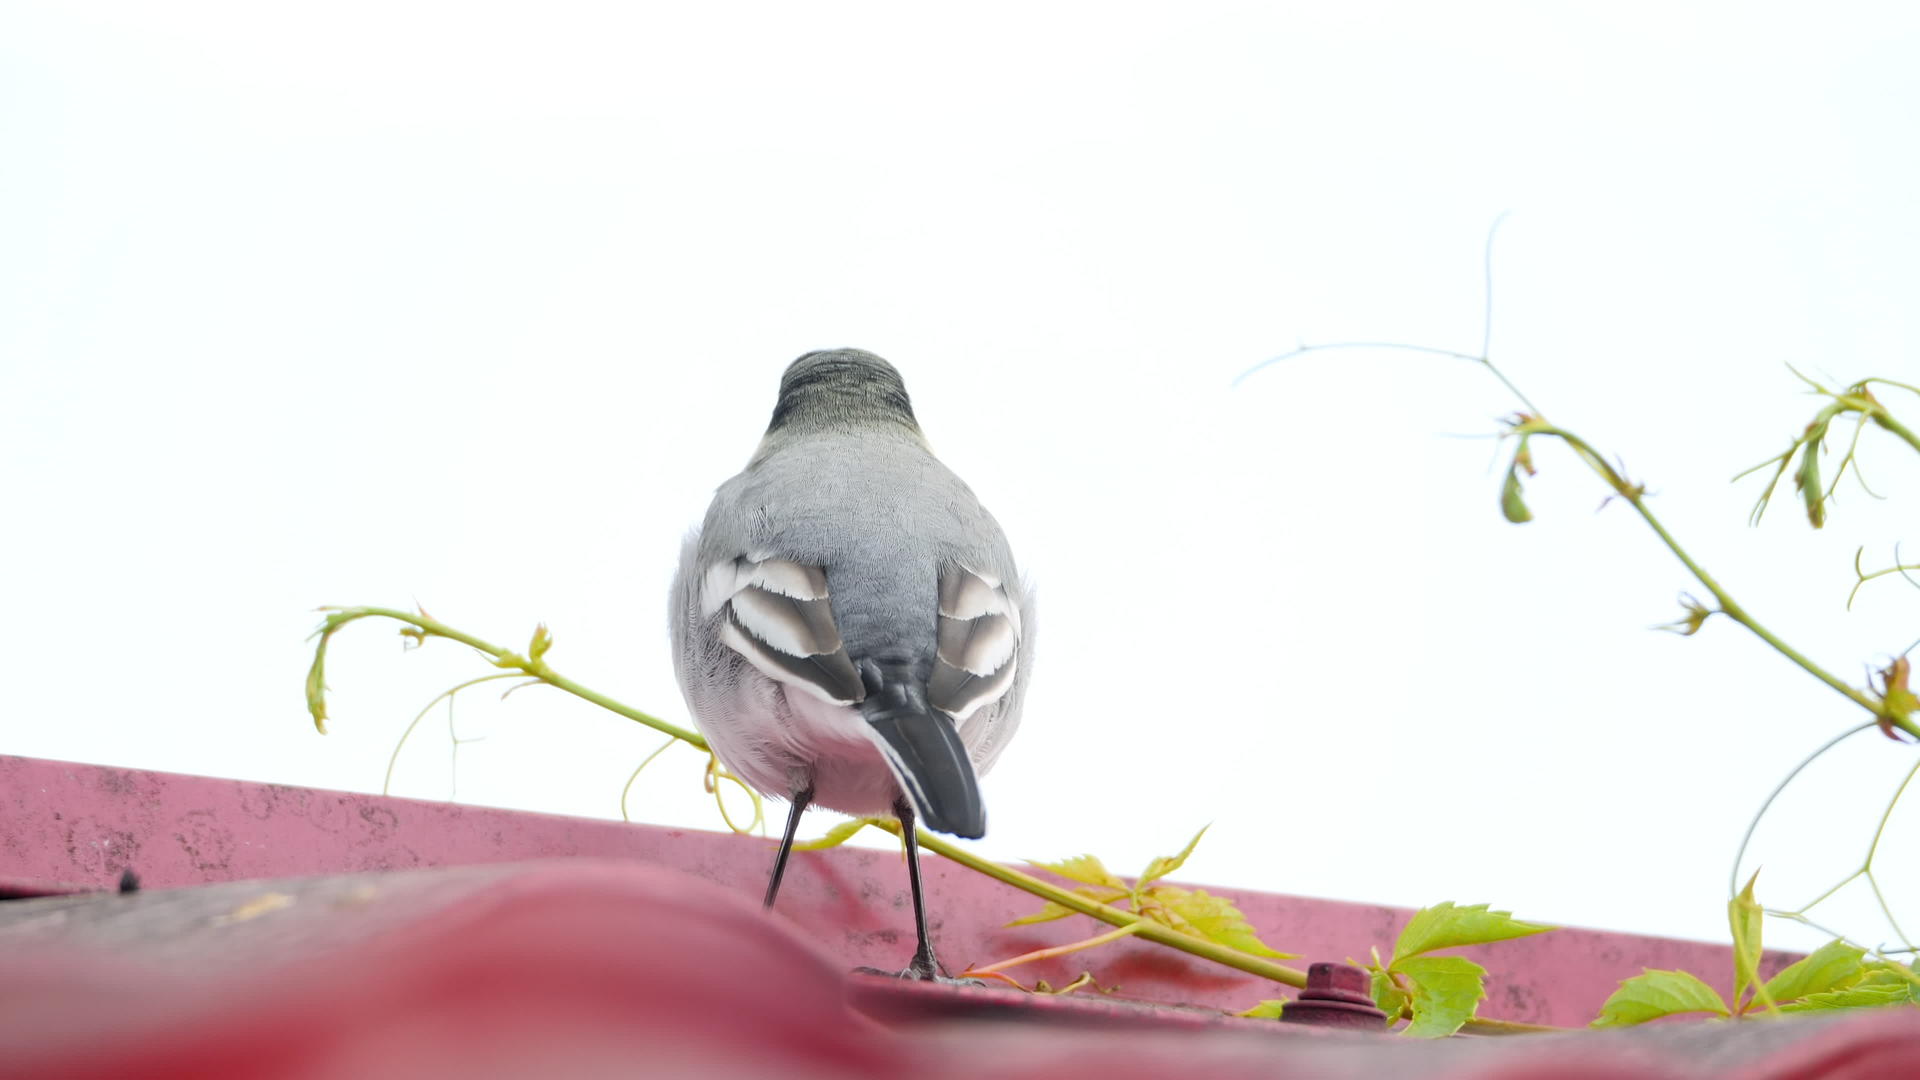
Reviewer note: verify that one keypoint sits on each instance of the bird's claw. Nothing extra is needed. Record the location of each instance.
(921, 971)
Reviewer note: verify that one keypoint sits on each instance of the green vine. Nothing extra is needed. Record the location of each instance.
(1159, 913)
(1889, 698)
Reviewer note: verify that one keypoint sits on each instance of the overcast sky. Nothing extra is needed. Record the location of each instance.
(474, 305)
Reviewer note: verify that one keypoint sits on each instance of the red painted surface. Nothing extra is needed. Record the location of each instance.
(69, 825)
(599, 968)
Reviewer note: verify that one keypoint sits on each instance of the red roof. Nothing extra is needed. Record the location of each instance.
(590, 965)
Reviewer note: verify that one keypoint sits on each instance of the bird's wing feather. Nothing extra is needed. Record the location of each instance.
(978, 644)
(777, 615)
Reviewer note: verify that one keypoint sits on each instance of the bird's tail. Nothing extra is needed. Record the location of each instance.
(928, 758)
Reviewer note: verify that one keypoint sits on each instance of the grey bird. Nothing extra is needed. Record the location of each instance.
(848, 625)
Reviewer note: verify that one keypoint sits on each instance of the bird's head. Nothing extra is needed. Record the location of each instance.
(841, 388)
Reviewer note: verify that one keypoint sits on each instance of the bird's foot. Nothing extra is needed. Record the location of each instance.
(924, 968)
(938, 978)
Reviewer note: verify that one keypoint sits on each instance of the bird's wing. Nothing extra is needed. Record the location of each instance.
(778, 617)
(978, 645)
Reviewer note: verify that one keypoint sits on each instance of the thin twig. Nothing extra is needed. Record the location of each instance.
(386, 786)
(648, 760)
(1056, 950)
(337, 618)
(1733, 883)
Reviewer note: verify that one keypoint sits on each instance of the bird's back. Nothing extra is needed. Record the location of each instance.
(926, 607)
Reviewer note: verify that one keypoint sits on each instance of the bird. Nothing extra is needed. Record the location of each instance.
(849, 627)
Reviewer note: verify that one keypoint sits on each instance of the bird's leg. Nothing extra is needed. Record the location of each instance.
(800, 800)
(924, 966)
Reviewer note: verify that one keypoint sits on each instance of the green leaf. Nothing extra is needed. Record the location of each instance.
(317, 689)
(1446, 991)
(1048, 913)
(1833, 966)
(1889, 973)
(1898, 698)
(1653, 994)
(1387, 995)
(1512, 506)
(1806, 479)
(1444, 926)
(1266, 1010)
(1213, 918)
(1857, 997)
(1878, 975)
(1161, 866)
(1085, 869)
(1744, 916)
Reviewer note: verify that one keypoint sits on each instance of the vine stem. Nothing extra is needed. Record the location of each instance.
(1887, 422)
(426, 625)
(1113, 916)
(1056, 950)
(393, 761)
(1874, 849)
(637, 770)
(1531, 423)
(1731, 608)
(1740, 856)
(536, 667)
(1166, 935)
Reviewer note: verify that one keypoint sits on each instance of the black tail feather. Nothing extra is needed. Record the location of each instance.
(926, 752)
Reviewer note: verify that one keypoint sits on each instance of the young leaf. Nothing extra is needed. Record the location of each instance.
(1857, 997)
(1744, 916)
(1213, 918)
(1513, 506)
(1446, 991)
(1161, 866)
(1806, 479)
(1653, 994)
(1898, 698)
(1889, 973)
(1266, 1010)
(1444, 926)
(1833, 966)
(1085, 869)
(1387, 994)
(317, 692)
(1695, 618)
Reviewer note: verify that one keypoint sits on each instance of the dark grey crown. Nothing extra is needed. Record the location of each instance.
(838, 387)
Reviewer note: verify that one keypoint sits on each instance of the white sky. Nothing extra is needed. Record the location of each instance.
(474, 305)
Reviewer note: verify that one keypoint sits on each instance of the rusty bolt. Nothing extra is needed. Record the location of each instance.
(1337, 996)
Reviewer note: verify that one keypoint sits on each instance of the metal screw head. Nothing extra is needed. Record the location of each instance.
(1339, 982)
(1336, 995)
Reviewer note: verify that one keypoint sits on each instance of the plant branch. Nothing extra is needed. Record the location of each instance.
(1391, 346)
(1113, 916)
(386, 786)
(1635, 495)
(425, 626)
(1862, 576)
(421, 626)
(637, 769)
(1739, 856)
(1056, 950)
(1901, 431)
